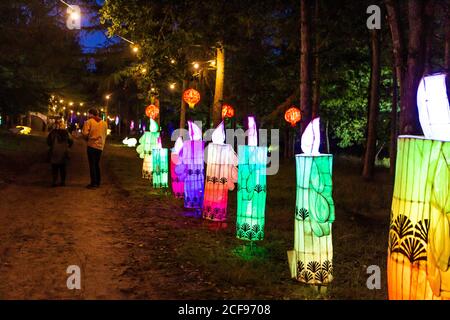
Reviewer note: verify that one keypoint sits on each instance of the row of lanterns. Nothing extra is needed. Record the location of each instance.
(419, 239)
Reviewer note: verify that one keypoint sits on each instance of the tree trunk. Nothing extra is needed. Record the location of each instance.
(429, 11)
(218, 93)
(316, 83)
(394, 132)
(374, 105)
(447, 37)
(305, 63)
(397, 38)
(183, 105)
(409, 115)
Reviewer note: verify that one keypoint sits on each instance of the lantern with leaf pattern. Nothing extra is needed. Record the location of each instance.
(311, 261)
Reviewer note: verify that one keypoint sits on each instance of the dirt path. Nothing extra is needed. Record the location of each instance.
(44, 230)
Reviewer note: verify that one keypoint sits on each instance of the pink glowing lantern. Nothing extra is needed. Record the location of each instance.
(190, 168)
(177, 184)
(221, 175)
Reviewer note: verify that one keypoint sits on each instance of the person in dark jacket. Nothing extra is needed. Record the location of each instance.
(59, 141)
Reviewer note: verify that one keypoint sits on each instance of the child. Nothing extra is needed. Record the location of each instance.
(59, 141)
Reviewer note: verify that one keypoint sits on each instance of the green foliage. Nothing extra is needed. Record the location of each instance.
(38, 56)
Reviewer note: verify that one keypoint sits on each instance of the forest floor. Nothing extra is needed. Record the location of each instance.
(135, 242)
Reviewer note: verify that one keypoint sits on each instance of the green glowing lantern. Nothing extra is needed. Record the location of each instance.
(311, 261)
(418, 265)
(147, 143)
(252, 188)
(160, 171)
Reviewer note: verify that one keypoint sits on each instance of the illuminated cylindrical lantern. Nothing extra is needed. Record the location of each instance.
(221, 174)
(311, 261)
(191, 97)
(419, 235)
(177, 183)
(160, 167)
(191, 168)
(147, 143)
(252, 188)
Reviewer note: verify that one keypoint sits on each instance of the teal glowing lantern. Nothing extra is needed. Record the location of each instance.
(160, 163)
(311, 261)
(147, 143)
(252, 187)
(190, 168)
(221, 174)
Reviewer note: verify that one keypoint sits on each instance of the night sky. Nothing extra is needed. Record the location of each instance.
(92, 40)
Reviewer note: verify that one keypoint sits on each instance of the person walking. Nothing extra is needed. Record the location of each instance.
(59, 141)
(94, 131)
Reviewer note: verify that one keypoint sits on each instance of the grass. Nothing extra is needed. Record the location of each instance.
(203, 260)
(18, 152)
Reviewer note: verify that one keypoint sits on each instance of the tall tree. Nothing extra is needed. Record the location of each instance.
(410, 55)
(305, 62)
(374, 105)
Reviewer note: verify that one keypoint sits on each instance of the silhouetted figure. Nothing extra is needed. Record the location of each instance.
(59, 141)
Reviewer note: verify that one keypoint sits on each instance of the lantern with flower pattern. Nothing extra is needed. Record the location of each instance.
(227, 111)
(293, 115)
(152, 111)
(191, 97)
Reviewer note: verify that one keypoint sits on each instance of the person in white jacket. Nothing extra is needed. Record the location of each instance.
(94, 131)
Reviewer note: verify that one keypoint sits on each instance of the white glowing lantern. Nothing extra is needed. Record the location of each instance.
(129, 142)
(434, 109)
(311, 138)
(117, 120)
(221, 175)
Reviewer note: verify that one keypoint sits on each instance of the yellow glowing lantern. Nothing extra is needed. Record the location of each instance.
(419, 235)
(191, 97)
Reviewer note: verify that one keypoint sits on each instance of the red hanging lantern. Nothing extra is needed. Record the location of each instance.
(227, 111)
(152, 111)
(293, 115)
(191, 97)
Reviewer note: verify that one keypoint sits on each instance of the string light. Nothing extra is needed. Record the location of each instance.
(172, 61)
(196, 65)
(172, 86)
